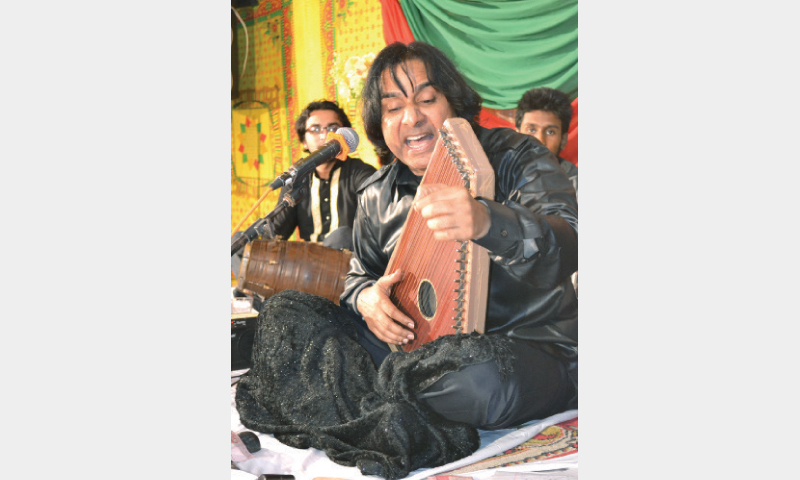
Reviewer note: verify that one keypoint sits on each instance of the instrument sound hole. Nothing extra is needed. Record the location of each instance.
(426, 297)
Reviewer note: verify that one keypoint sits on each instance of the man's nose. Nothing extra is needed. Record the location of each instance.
(411, 115)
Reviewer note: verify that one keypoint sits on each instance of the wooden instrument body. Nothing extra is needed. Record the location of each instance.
(271, 266)
(445, 287)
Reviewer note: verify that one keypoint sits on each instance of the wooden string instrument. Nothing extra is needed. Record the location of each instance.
(446, 283)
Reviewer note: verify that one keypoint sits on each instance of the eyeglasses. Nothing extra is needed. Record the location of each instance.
(330, 128)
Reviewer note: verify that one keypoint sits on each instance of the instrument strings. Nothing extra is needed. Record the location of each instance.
(428, 251)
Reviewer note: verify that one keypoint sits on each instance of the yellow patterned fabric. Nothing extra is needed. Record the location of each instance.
(251, 158)
(306, 23)
(290, 48)
(358, 28)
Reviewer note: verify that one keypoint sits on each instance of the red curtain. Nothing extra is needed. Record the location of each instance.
(395, 25)
(570, 152)
(490, 120)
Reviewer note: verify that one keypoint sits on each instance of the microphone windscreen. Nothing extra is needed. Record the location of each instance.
(350, 137)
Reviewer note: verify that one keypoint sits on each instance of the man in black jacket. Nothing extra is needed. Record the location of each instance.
(545, 113)
(530, 229)
(326, 213)
(314, 381)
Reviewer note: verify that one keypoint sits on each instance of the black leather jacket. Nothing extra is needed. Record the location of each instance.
(532, 242)
(572, 172)
(354, 172)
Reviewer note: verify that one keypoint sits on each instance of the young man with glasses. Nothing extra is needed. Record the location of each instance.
(326, 213)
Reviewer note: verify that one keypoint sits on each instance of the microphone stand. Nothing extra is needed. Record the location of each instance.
(264, 225)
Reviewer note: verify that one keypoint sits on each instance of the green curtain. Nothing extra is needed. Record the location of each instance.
(503, 48)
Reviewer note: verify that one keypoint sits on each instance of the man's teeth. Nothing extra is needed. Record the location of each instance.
(415, 139)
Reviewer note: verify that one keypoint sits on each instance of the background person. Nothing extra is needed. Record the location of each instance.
(545, 113)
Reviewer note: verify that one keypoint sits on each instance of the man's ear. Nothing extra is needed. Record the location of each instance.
(564, 138)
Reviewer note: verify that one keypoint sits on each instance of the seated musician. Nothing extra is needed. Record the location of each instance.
(529, 229)
(333, 183)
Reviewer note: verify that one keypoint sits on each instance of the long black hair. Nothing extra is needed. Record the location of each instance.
(442, 74)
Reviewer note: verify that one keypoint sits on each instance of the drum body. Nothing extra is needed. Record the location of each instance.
(271, 266)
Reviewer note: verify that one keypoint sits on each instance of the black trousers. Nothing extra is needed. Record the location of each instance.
(539, 386)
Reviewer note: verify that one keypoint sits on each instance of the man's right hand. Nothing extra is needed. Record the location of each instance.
(381, 315)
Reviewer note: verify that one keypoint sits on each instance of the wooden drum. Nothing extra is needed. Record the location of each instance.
(271, 266)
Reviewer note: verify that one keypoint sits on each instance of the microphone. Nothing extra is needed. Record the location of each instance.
(339, 145)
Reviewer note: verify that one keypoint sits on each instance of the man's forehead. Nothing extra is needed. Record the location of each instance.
(541, 117)
(412, 71)
(318, 117)
(399, 93)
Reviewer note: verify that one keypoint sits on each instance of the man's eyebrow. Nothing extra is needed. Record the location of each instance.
(397, 94)
(421, 86)
(546, 125)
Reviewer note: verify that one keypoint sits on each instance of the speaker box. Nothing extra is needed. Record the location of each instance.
(243, 330)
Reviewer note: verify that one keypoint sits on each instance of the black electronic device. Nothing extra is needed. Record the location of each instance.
(243, 330)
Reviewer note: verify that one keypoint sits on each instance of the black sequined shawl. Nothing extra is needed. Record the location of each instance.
(313, 385)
